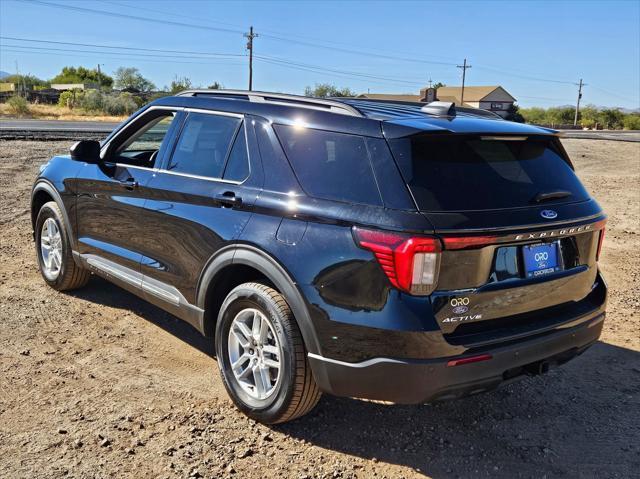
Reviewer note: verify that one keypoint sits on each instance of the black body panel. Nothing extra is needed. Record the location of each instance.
(171, 236)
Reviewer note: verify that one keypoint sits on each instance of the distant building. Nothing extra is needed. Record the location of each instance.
(491, 98)
(74, 86)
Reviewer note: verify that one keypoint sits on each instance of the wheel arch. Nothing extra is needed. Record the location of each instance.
(43, 192)
(253, 259)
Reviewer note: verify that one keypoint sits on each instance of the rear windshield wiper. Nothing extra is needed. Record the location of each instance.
(550, 195)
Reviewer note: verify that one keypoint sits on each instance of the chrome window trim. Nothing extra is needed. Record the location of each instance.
(106, 146)
(125, 165)
(213, 112)
(212, 178)
(188, 175)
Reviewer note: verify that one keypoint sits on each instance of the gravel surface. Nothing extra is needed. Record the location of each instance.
(97, 383)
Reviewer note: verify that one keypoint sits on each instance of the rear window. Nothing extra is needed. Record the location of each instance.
(332, 166)
(461, 173)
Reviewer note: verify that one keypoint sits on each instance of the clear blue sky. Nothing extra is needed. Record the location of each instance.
(393, 47)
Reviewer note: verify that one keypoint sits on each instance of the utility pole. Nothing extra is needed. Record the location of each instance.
(580, 85)
(430, 82)
(464, 67)
(250, 36)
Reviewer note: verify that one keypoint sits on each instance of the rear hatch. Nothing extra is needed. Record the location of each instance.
(520, 232)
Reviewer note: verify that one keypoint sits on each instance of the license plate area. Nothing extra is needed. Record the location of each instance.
(541, 259)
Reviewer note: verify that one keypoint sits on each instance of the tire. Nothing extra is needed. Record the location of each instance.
(294, 392)
(65, 274)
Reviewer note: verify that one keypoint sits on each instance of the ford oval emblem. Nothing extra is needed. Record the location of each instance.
(548, 214)
(460, 310)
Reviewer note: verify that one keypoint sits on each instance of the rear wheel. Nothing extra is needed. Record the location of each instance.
(53, 250)
(261, 356)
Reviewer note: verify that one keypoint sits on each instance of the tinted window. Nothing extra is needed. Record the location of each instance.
(460, 173)
(141, 147)
(204, 144)
(330, 165)
(237, 168)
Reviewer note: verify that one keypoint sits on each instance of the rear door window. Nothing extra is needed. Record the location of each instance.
(204, 144)
(332, 166)
(462, 173)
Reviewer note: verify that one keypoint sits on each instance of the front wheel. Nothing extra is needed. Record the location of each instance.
(53, 250)
(261, 356)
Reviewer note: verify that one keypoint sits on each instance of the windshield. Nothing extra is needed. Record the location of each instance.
(464, 172)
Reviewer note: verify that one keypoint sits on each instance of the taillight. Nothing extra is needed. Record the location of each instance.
(410, 262)
(464, 242)
(600, 241)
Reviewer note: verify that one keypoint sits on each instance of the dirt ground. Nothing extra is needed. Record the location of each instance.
(97, 383)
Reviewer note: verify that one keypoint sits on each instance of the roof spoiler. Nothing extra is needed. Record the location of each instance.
(440, 108)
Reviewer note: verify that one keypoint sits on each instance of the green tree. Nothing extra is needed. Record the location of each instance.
(130, 77)
(631, 121)
(30, 81)
(611, 118)
(326, 90)
(82, 75)
(533, 115)
(437, 85)
(180, 84)
(560, 116)
(589, 116)
(513, 114)
(215, 86)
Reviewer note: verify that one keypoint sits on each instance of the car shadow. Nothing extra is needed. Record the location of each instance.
(579, 420)
(103, 292)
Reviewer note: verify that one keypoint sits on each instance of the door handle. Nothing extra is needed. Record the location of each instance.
(228, 199)
(129, 184)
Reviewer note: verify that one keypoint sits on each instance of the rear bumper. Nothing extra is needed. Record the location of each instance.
(419, 381)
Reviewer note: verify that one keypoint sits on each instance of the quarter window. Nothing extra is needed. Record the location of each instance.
(237, 168)
(333, 166)
(204, 144)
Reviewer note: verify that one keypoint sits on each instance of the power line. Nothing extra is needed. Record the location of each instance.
(342, 72)
(131, 17)
(84, 54)
(280, 36)
(131, 51)
(288, 38)
(525, 77)
(182, 52)
(111, 53)
(228, 30)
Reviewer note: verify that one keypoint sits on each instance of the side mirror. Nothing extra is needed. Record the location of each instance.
(86, 150)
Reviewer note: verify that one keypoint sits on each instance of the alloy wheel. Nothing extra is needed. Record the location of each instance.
(255, 353)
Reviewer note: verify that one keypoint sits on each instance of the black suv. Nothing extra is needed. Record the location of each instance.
(373, 249)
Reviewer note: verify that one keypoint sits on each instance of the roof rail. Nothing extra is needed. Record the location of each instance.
(278, 99)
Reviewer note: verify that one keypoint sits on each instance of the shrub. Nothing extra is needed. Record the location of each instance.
(631, 122)
(122, 104)
(92, 100)
(70, 99)
(18, 105)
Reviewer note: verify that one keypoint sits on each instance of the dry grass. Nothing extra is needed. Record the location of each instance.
(55, 112)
